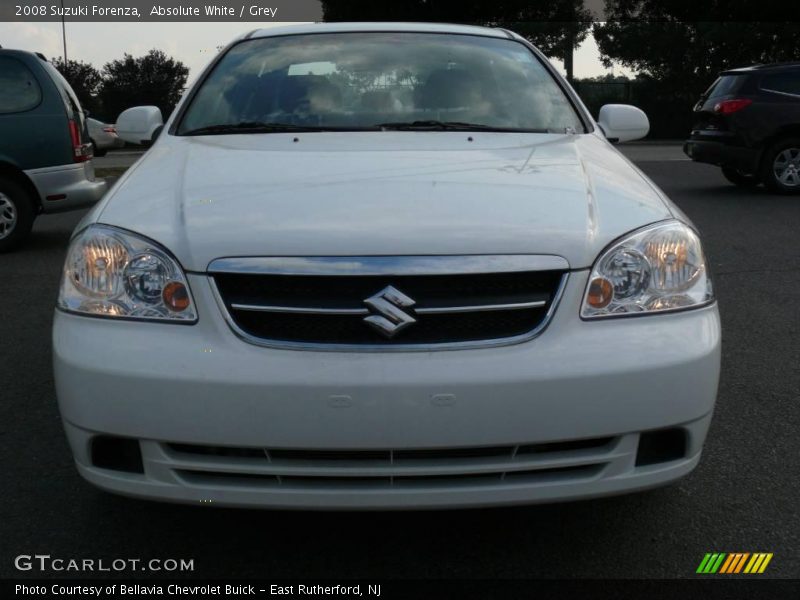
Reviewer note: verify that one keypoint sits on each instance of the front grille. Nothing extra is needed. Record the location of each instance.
(388, 310)
(390, 457)
(377, 468)
(539, 476)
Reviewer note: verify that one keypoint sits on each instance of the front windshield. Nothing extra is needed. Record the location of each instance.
(365, 80)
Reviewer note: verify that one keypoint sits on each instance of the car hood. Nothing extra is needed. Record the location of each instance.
(382, 193)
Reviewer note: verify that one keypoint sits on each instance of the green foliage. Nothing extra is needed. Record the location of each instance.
(84, 79)
(669, 107)
(153, 79)
(553, 26)
(605, 78)
(679, 48)
(686, 44)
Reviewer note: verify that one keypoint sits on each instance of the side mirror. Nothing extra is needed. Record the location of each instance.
(623, 123)
(138, 125)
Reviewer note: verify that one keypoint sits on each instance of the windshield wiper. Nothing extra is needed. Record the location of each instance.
(451, 126)
(250, 127)
(273, 127)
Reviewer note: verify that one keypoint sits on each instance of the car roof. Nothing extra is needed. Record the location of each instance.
(304, 28)
(20, 53)
(785, 66)
(15, 52)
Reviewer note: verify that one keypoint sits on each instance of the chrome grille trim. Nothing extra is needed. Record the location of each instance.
(301, 310)
(302, 346)
(479, 308)
(365, 311)
(388, 265)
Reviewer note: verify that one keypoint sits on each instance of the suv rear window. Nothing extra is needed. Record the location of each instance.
(19, 90)
(71, 102)
(785, 83)
(727, 84)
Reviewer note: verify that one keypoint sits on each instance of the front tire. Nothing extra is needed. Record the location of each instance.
(741, 179)
(781, 167)
(16, 214)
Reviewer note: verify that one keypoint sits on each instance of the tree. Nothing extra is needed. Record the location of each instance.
(84, 79)
(153, 79)
(678, 48)
(606, 78)
(557, 27)
(688, 44)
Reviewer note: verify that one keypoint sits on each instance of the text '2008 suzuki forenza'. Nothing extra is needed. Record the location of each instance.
(385, 266)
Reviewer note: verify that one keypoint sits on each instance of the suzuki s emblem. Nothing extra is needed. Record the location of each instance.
(388, 316)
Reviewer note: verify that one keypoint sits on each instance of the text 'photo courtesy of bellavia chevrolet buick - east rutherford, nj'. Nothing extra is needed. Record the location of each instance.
(447, 290)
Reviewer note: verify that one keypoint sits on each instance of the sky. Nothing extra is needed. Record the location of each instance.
(194, 44)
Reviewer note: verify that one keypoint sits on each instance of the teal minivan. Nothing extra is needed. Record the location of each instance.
(45, 150)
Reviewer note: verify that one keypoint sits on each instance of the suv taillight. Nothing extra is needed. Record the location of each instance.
(727, 107)
(110, 129)
(80, 152)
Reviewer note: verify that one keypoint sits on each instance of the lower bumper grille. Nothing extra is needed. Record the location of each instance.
(400, 481)
(381, 469)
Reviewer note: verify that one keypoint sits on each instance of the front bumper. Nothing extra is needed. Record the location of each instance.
(722, 153)
(67, 187)
(605, 381)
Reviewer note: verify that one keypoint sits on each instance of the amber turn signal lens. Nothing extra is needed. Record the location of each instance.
(175, 296)
(600, 293)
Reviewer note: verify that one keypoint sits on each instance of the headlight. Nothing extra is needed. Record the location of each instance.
(656, 269)
(113, 273)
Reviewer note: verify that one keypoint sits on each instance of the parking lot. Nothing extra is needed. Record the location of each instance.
(743, 496)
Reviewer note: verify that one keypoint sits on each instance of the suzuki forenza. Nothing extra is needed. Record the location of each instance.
(385, 266)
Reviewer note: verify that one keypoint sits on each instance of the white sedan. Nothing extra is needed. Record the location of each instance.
(103, 136)
(385, 266)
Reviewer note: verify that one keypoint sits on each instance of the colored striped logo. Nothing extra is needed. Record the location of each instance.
(734, 563)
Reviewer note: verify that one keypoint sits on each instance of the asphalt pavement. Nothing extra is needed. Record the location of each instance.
(117, 158)
(742, 497)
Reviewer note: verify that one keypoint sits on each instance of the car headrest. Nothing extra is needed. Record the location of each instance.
(447, 88)
(315, 90)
